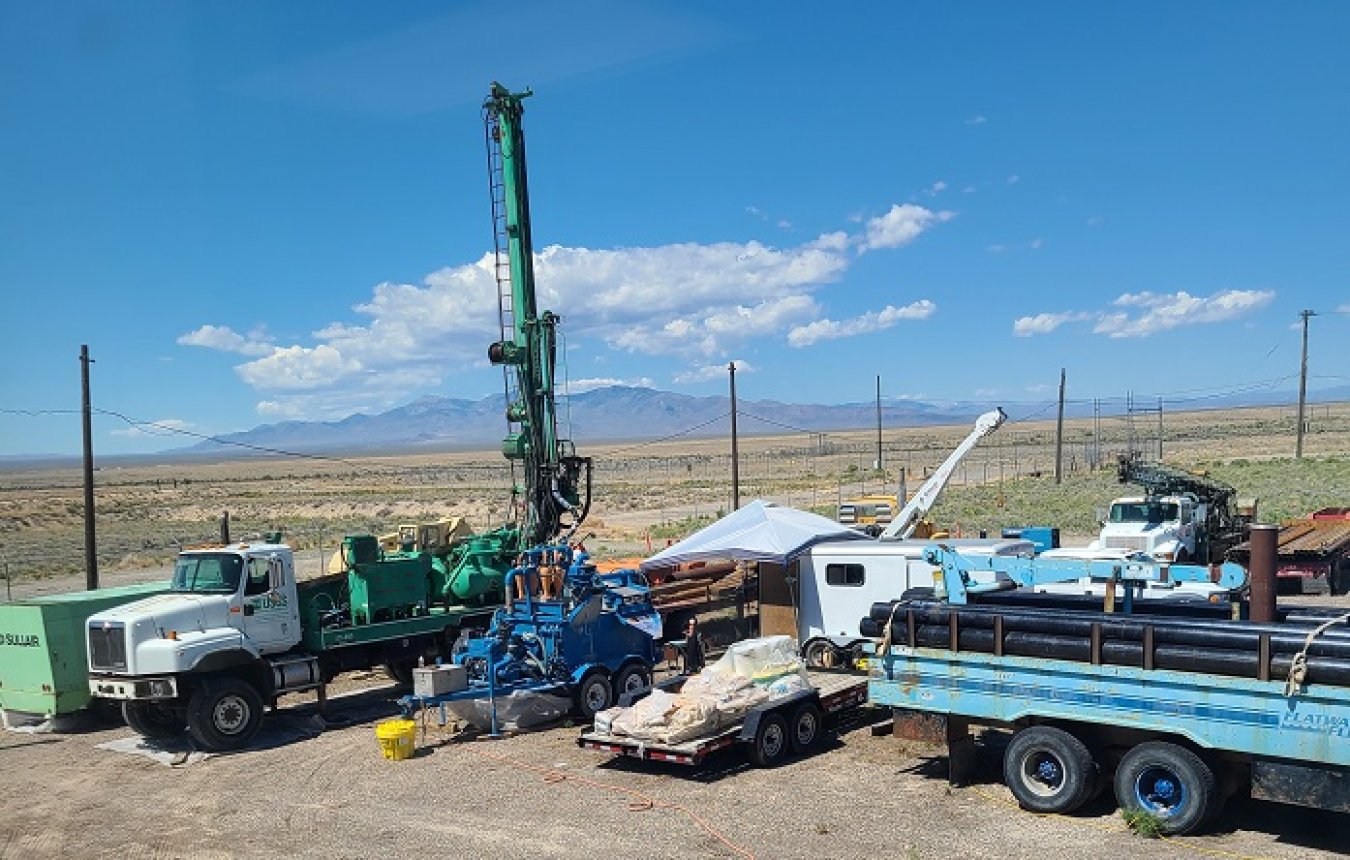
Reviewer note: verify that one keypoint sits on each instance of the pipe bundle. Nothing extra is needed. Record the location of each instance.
(1198, 642)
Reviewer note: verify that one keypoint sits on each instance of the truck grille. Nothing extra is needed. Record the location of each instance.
(107, 648)
(1139, 544)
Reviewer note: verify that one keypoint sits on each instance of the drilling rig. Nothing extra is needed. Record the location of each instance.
(557, 482)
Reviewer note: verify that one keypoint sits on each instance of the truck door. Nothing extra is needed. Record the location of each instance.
(271, 618)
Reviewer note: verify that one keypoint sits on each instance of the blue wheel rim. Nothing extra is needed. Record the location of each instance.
(1160, 791)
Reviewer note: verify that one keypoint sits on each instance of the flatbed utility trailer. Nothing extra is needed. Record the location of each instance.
(794, 723)
(1183, 711)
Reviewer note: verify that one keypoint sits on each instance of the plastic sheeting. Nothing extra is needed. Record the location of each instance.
(759, 531)
(521, 709)
(751, 673)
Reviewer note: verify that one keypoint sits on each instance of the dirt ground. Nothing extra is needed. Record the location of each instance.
(306, 791)
(333, 795)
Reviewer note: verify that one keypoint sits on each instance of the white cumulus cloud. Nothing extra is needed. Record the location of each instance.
(226, 339)
(1146, 313)
(827, 329)
(901, 225)
(710, 372)
(693, 301)
(580, 386)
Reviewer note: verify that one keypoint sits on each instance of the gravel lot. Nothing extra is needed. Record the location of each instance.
(333, 795)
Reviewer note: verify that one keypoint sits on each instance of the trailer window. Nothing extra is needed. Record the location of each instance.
(844, 574)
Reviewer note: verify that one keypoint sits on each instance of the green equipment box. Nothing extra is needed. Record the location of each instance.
(43, 664)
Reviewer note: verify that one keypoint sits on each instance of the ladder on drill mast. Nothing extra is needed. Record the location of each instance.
(501, 268)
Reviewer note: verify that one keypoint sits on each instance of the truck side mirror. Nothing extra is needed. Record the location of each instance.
(276, 572)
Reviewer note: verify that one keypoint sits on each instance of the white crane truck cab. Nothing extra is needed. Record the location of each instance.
(1165, 527)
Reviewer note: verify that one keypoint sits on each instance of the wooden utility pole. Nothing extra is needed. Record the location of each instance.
(90, 555)
(1303, 384)
(735, 453)
(880, 465)
(1059, 432)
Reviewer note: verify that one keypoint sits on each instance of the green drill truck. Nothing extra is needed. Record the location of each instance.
(236, 630)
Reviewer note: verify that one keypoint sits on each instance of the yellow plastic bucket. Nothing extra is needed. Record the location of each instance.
(397, 738)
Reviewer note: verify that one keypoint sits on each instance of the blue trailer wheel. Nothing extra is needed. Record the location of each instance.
(1168, 781)
(1049, 770)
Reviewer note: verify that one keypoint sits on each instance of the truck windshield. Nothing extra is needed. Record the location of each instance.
(212, 573)
(1143, 512)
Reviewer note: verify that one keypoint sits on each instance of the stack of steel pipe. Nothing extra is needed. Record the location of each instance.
(1247, 649)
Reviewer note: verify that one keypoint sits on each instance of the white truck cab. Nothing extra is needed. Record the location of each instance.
(207, 654)
(1169, 528)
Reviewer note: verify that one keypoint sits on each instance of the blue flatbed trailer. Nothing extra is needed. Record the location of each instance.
(1178, 741)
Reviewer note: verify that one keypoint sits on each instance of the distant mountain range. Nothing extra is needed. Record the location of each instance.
(613, 413)
(621, 412)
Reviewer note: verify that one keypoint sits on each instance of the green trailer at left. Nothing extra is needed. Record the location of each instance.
(44, 669)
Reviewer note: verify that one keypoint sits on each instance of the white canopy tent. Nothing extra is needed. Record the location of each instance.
(759, 531)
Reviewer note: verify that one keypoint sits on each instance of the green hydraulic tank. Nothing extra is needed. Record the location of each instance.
(44, 668)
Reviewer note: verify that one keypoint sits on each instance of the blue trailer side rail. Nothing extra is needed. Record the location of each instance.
(1213, 712)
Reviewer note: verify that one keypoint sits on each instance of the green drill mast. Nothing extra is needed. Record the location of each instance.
(554, 475)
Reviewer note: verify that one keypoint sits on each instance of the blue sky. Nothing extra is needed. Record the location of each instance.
(271, 211)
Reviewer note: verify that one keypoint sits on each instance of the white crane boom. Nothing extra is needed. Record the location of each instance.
(922, 501)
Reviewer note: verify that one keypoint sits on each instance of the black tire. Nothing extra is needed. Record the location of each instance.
(106, 712)
(154, 719)
(807, 727)
(224, 714)
(1340, 578)
(594, 694)
(821, 654)
(771, 741)
(401, 671)
(631, 681)
(1049, 770)
(1170, 782)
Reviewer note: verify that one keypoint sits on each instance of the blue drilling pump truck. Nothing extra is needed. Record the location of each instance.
(1176, 707)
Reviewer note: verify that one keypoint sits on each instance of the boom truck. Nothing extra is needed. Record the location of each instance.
(1176, 707)
(237, 629)
(1182, 517)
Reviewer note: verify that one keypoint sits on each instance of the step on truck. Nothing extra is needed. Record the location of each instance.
(793, 724)
(236, 630)
(1175, 713)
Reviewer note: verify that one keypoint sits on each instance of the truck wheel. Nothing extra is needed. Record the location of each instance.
(401, 671)
(771, 741)
(1167, 781)
(1049, 770)
(820, 654)
(808, 721)
(1340, 578)
(224, 714)
(631, 681)
(594, 694)
(154, 719)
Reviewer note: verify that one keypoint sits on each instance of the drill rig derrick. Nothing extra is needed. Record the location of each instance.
(557, 490)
